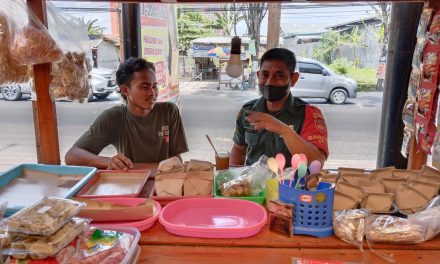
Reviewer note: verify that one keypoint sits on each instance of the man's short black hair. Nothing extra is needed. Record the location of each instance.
(126, 70)
(280, 54)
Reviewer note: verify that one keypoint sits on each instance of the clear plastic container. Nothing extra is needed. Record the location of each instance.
(44, 217)
(43, 247)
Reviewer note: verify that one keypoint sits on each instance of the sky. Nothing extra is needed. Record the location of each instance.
(303, 17)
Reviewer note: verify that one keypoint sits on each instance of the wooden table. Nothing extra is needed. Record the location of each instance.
(159, 246)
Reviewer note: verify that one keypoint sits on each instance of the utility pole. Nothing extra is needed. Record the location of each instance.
(273, 29)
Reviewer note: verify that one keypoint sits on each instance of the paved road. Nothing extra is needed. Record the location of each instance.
(353, 128)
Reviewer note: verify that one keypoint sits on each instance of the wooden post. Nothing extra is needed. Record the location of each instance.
(45, 119)
(416, 157)
(273, 29)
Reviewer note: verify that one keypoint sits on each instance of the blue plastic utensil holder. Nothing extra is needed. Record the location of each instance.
(313, 209)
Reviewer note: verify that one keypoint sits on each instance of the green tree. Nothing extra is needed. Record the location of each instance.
(331, 43)
(226, 20)
(92, 28)
(192, 25)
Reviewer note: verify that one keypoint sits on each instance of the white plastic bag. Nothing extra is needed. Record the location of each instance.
(29, 41)
(71, 74)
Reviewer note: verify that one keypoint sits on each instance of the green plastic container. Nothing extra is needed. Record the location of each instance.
(258, 199)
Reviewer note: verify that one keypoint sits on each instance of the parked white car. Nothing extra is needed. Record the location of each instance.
(102, 84)
(318, 81)
(13, 92)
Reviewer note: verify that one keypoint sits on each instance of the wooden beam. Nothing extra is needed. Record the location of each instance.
(274, 27)
(45, 119)
(416, 157)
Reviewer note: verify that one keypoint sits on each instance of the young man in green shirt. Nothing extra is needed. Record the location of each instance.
(277, 122)
(142, 130)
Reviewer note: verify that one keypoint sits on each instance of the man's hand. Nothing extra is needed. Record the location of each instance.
(261, 121)
(120, 162)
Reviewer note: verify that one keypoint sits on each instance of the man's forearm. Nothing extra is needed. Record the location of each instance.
(296, 145)
(238, 155)
(78, 156)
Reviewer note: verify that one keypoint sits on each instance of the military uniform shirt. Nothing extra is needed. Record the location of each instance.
(306, 120)
(153, 138)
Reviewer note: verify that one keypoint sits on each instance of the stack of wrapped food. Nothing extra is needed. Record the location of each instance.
(384, 190)
(50, 230)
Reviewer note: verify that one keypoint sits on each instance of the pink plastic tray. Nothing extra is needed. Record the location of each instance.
(213, 218)
(139, 225)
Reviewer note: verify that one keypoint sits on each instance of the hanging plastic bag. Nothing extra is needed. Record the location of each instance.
(10, 72)
(29, 41)
(71, 74)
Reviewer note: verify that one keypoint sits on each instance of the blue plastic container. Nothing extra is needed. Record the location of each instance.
(313, 209)
(60, 170)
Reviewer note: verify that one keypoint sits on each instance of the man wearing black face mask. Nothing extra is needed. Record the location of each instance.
(278, 122)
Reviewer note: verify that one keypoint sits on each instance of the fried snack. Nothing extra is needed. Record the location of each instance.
(391, 229)
(70, 77)
(236, 188)
(349, 225)
(31, 45)
(43, 247)
(10, 71)
(45, 217)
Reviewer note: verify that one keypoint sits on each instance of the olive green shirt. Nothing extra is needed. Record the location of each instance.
(153, 138)
(264, 142)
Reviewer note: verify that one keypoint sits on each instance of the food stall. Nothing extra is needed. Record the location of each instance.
(158, 244)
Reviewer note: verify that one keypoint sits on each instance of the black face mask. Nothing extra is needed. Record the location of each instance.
(274, 93)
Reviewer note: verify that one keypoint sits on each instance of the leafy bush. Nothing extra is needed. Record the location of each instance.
(340, 65)
(365, 77)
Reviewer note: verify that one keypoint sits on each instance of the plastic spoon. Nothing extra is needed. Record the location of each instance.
(302, 171)
(212, 145)
(303, 158)
(281, 160)
(273, 166)
(315, 166)
(295, 163)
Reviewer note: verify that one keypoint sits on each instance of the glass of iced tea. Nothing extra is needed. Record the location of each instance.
(222, 160)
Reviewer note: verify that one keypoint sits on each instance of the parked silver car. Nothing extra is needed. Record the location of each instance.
(318, 81)
(13, 92)
(102, 84)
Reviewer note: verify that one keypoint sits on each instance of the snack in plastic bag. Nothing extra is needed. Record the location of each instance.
(244, 181)
(10, 71)
(43, 247)
(349, 226)
(97, 246)
(391, 229)
(29, 41)
(428, 218)
(70, 75)
(45, 217)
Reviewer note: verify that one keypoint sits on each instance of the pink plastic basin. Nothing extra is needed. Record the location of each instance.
(213, 218)
(140, 225)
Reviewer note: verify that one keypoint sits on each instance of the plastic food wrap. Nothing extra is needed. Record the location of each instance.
(29, 41)
(244, 181)
(43, 247)
(349, 226)
(45, 217)
(97, 246)
(71, 74)
(391, 229)
(11, 72)
(70, 77)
